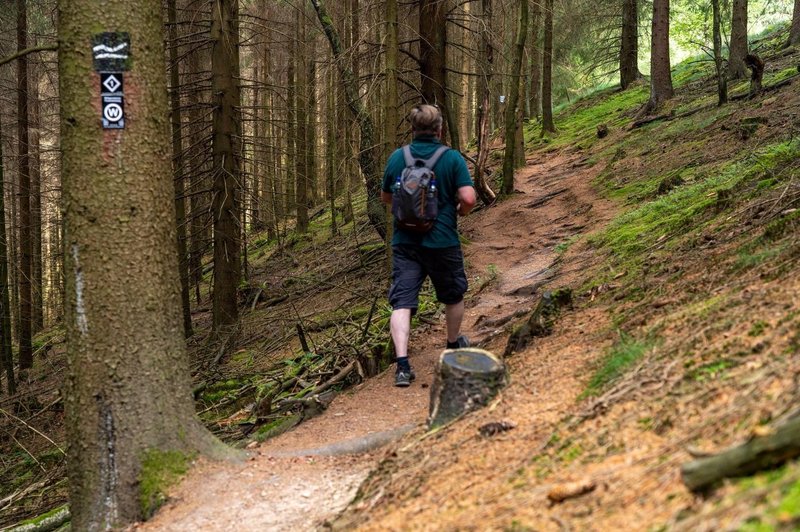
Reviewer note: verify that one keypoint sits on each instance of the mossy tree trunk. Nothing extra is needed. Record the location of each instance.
(722, 78)
(127, 389)
(226, 139)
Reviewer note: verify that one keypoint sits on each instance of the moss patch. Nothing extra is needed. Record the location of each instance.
(160, 471)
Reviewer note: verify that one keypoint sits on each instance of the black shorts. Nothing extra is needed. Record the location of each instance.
(411, 264)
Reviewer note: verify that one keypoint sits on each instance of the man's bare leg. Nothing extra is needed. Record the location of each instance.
(400, 325)
(453, 315)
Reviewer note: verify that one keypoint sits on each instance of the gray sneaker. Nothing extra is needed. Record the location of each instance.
(404, 378)
(463, 341)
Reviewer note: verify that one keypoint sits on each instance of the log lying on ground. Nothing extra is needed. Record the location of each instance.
(466, 379)
(760, 452)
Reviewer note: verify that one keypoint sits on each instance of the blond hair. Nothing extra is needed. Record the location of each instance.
(425, 119)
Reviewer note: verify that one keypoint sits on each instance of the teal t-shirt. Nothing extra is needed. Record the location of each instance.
(451, 174)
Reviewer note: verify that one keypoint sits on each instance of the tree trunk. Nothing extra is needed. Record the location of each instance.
(23, 166)
(535, 53)
(177, 166)
(722, 79)
(301, 126)
(226, 132)
(432, 56)
(548, 126)
(794, 32)
(485, 192)
(37, 293)
(392, 46)
(5, 305)
(368, 152)
(127, 393)
(738, 46)
(513, 100)
(629, 48)
(660, 74)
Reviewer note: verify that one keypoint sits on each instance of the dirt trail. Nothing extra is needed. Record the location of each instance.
(515, 242)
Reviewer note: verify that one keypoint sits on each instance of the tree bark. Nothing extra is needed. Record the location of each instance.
(24, 191)
(368, 153)
(392, 105)
(432, 56)
(629, 48)
(535, 53)
(177, 166)
(513, 116)
(5, 304)
(37, 292)
(127, 393)
(226, 132)
(660, 73)
(548, 126)
(794, 31)
(301, 126)
(738, 46)
(722, 78)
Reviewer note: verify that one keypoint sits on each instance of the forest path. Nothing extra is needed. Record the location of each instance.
(291, 482)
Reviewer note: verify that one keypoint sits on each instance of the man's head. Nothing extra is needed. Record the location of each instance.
(425, 120)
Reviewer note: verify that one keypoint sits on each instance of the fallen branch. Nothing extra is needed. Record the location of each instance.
(41, 48)
(760, 452)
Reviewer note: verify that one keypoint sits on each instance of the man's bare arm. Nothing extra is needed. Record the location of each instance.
(466, 200)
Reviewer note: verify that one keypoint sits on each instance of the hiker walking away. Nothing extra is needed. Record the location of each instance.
(428, 185)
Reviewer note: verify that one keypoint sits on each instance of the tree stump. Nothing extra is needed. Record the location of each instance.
(466, 379)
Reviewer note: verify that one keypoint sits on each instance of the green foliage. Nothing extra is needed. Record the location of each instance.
(160, 471)
(622, 355)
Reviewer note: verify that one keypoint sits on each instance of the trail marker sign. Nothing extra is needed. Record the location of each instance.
(111, 55)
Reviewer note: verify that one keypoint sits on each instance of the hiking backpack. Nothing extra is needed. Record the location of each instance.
(415, 200)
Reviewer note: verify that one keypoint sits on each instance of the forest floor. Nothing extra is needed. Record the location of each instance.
(299, 480)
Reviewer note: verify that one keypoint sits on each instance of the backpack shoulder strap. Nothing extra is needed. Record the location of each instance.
(430, 163)
(409, 159)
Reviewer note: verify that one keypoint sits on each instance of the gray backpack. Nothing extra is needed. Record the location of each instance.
(415, 200)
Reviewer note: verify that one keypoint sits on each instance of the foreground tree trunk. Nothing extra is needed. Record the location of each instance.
(660, 74)
(23, 165)
(512, 113)
(226, 135)
(128, 400)
(738, 47)
(432, 56)
(629, 48)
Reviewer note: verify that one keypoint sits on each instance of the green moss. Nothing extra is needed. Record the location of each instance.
(56, 515)
(160, 470)
(758, 328)
(622, 355)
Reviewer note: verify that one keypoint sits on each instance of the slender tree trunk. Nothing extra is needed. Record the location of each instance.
(534, 52)
(37, 292)
(330, 149)
(301, 116)
(794, 32)
(226, 131)
(311, 136)
(486, 62)
(629, 48)
(24, 191)
(512, 112)
(177, 166)
(368, 152)
(722, 80)
(5, 304)
(392, 114)
(660, 74)
(738, 46)
(548, 126)
(127, 394)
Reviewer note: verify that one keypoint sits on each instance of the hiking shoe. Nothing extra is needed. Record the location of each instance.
(462, 341)
(404, 378)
